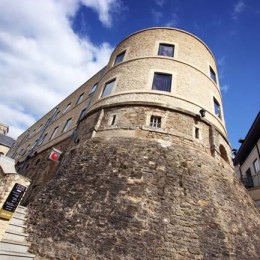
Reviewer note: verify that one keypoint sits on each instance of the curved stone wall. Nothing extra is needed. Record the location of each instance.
(119, 198)
(191, 88)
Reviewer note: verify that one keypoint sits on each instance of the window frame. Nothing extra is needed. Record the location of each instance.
(80, 98)
(162, 74)
(54, 133)
(66, 125)
(217, 104)
(155, 121)
(121, 54)
(212, 74)
(93, 89)
(106, 85)
(256, 165)
(166, 45)
(67, 108)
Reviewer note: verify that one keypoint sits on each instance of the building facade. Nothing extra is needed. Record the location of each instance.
(145, 170)
(247, 161)
(6, 142)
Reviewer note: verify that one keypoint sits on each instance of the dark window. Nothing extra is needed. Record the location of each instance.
(113, 120)
(66, 126)
(155, 121)
(213, 75)
(93, 89)
(108, 88)
(166, 50)
(119, 57)
(162, 82)
(80, 98)
(197, 133)
(54, 132)
(67, 108)
(217, 109)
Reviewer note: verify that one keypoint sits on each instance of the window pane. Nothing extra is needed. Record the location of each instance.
(93, 89)
(256, 166)
(166, 50)
(66, 126)
(217, 108)
(213, 75)
(80, 98)
(155, 121)
(162, 82)
(108, 88)
(119, 57)
(67, 108)
(54, 133)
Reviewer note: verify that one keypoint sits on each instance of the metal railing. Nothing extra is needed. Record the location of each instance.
(252, 181)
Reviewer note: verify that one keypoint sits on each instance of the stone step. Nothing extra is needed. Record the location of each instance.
(15, 246)
(19, 214)
(15, 236)
(21, 209)
(16, 220)
(16, 228)
(11, 255)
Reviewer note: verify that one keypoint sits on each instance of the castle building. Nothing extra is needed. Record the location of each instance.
(145, 170)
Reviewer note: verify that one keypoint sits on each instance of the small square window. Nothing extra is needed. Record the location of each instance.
(162, 82)
(66, 126)
(217, 109)
(213, 74)
(108, 88)
(166, 50)
(93, 89)
(256, 165)
(155, 121)
(119, 57)
(80, 98)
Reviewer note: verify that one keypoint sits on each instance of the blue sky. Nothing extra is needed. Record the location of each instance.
(48, 48)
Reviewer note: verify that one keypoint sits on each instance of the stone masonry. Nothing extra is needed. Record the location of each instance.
(119, 198)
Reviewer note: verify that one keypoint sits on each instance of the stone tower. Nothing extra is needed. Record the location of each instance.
(147, 174)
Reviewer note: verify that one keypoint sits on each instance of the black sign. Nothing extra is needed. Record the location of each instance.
(14, 197)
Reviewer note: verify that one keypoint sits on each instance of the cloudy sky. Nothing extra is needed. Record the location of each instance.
(48, 48)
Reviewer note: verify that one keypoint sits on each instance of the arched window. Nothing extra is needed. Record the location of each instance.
(223, 153)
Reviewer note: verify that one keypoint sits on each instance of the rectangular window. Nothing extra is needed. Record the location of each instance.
(213, 75)
(162, 82)
(166, 50)
(119, 57)
(54, 132)
(80, 98)
(67, 108)
(93, 89)
(66, 126)
(113, 120)
(217, 110)
(197, 133)
(155, 121)
(256, 165)
(108, 88)
(42, 139)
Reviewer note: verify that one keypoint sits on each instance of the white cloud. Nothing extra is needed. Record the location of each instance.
(42, 60)
(238, 9)
(225, 88)
(173, 21)
(160, 2)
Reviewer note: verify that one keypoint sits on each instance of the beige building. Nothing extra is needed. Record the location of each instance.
(153, 86)
(5, 141)
(247, 161)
